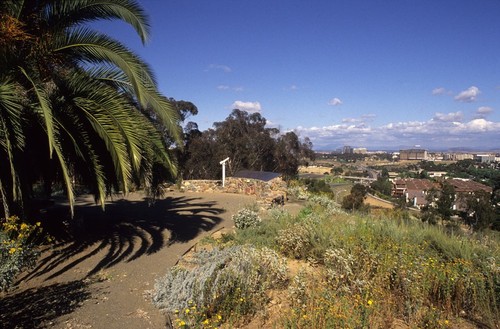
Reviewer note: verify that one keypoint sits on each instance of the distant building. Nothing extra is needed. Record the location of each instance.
(347, 150)
(413, 154)
(360, 150)
(484, 158)
(458, 156)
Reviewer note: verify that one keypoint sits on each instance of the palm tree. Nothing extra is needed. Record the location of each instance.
(74, 103)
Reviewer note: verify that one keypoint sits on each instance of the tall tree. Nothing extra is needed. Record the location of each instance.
(355, 200)
(72, 101)
(446, 200)
(480, 210)
(245, 139)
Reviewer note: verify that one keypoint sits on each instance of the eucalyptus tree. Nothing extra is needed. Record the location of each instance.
(73, 101)
(245, 139)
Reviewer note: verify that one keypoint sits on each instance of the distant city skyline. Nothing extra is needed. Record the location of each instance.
(366, 73)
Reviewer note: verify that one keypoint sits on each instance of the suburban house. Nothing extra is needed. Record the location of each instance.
(413, 190)
(464, 187)
(416, 190)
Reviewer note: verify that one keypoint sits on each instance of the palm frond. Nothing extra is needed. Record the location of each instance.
(44, 111)
(12, 7)
(11, 135)
(103, 125)
(92, 47)
(65, 173)
(62, 14)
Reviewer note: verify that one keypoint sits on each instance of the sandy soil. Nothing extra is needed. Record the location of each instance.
(99, 273)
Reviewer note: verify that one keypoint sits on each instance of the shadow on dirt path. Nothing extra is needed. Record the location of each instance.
(104, 265)
(45, 304)
(126, 230)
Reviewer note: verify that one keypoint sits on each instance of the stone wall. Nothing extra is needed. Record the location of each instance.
(265, 192)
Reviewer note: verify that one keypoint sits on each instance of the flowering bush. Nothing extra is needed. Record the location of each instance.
(246, 218)
(16, 248)
(298, 191)
(295, 241)
(219, 284)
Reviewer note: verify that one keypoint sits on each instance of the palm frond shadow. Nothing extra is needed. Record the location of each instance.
(35, 308)
(126, 230)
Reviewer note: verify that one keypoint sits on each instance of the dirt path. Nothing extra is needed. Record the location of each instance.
(100, 278)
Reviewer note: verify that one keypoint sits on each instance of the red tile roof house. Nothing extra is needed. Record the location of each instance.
(414, 190)
(464, 187)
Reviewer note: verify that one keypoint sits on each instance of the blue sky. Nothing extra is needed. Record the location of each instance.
(375, 74)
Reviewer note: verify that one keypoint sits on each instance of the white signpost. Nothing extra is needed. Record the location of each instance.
(223, 163)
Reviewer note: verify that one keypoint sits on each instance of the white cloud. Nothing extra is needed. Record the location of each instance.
(334, 101)
(224, 68)
(250, 107)
(439, 91)
(350, 120)
(442, 131)
(469, 95)
(368, 117)
(479, 125)
(361, 120)
(448, 117)
(226, 87)
(484, 111)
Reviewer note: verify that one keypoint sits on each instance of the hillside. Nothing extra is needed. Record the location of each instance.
(324, 268)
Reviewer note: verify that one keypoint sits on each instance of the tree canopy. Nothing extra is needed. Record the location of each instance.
(73, 102)
(245, 139)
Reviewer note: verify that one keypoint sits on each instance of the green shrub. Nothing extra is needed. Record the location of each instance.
(246, 218)
(220, 285)
(295, 241)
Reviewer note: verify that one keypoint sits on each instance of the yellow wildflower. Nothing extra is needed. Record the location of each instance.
(186, 311)
(24, 226)
(12, 250)
(369, 302)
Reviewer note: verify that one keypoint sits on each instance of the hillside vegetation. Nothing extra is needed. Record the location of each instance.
(343, 271)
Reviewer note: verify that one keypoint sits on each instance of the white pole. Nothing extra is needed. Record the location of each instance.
(223, 163)
(223, 174)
